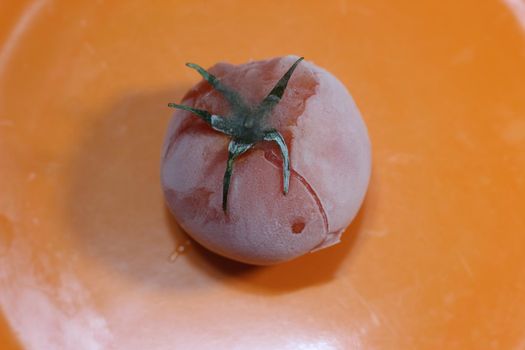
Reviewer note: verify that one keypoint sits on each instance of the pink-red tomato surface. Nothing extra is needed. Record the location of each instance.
(330, 162)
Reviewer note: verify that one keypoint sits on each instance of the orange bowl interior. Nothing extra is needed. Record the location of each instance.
(90, 257)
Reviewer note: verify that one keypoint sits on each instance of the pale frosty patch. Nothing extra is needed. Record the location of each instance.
(513, 132)
(517, 7)
(44, 317)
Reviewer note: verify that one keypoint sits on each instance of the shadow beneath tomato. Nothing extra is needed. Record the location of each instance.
(114, 200)
(118, 218)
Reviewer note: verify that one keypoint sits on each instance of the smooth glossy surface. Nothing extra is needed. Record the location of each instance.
(90, 259)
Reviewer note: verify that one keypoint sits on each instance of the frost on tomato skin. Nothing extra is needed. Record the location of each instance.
(339, 171)
(258, 227)
(330, 158)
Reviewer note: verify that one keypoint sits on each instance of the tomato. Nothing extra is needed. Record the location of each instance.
(266, 214)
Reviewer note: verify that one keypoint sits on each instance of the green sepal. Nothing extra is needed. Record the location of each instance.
(275, 136)
(275, 95)
(234, 99)
(246, 126)
(235, 149)
(218, 123)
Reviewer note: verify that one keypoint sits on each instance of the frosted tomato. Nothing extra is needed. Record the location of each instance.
(266, 161)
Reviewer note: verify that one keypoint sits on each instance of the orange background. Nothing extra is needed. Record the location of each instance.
(435, 259)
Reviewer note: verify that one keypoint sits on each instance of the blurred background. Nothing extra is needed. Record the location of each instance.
(91, 259)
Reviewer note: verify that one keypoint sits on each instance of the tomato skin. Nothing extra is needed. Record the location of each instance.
(330, 161)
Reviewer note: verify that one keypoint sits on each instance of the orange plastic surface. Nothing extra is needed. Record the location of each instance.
(91, 259)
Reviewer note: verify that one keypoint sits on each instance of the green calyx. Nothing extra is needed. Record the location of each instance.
(246, 125)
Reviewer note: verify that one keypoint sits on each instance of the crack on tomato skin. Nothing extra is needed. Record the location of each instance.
(285, 119)
(298, 97)
(247, 125)
(295, 100)
(271, 157)
(330, 239)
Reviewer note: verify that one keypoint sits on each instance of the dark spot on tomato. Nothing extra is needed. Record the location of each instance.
(298, 226)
